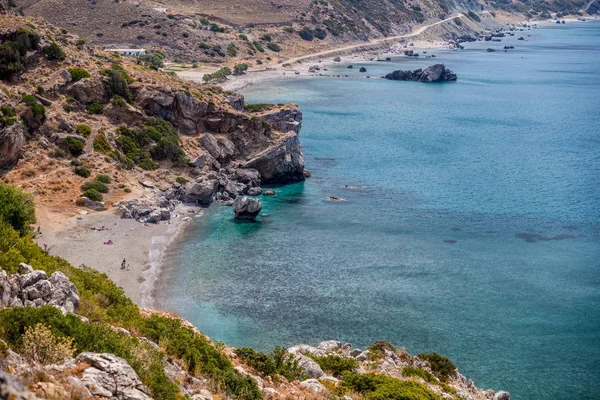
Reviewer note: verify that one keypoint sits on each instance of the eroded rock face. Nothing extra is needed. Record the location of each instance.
(281, 162)
(12, 140)
(434, 73)
(88, 90)
(246, 207)
(267, 142)
(111, 377)
(34, 289)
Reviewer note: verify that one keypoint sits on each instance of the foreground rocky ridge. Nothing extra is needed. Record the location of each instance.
(325, 371)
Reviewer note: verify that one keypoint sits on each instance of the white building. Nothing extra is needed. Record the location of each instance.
(160, 10)
(127, 52)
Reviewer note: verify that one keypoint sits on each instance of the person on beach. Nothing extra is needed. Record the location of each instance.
(124, 264)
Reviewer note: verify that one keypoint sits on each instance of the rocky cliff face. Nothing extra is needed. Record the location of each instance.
(267, 141)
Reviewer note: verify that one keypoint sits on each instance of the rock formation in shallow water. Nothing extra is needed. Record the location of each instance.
(434, 73)
(246, 207)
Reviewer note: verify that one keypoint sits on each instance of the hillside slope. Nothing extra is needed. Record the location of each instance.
(202, 31)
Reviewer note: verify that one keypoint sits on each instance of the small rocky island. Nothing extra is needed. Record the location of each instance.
(434, 73)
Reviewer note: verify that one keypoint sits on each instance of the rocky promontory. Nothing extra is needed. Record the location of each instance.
(434, 73)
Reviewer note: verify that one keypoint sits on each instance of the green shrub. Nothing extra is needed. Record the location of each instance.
(101, 143)
(155, 140)
(243, 37)
(83, 130)
(82, 171)
(7, 116)
(441, 366)
(17, 208)
(95, 108)
(222, 73)
(29, 99)
(39, 112)
(403, 390)
(181, 180)
(231, 50)
(258, 46)
(118, 86)
(103, 178)
(153, 61)
(239, 69)
(274, 47)
(420, 373)
(289, 29)
(118, 101)
(199, 355)
(335, 365)
(279, 362)
(385, 387)
(74, 146)
(78, 73)
(54, 52)
(266, 37)
(258, 107)
(92, 194)
(320, 34)
(97, 185)
(306, 33)
(13, 52)
(472, 15)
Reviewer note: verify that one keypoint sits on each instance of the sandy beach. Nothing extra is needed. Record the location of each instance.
(81, 241)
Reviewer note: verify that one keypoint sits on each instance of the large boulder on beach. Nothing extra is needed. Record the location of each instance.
(200, 192)
(246, 207)
(434, 73)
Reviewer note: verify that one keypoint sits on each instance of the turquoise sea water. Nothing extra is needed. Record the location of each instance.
(473, 229)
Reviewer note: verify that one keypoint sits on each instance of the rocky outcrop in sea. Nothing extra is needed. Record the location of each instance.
(434, 73)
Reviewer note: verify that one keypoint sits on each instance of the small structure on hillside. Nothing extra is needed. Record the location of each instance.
(127, 52)
(160, 10)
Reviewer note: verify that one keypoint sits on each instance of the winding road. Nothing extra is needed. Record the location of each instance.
(373, 42)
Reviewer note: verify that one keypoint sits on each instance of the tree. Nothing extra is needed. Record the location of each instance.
(17, 208)
(239, 69)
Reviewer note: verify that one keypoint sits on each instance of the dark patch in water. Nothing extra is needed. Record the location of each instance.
(456, 229)
(571, 227)
(534, 237)
(292, 201)
(491, 232)
(450, 241)
(326, 161)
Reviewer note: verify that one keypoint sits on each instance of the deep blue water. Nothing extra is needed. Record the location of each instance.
(473, 230)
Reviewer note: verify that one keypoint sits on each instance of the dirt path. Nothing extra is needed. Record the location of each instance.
(372, 42)
(588, 5)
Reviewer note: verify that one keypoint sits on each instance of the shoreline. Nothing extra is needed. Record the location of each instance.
(358, 53)
(81, 241)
